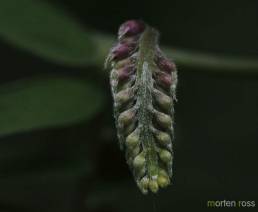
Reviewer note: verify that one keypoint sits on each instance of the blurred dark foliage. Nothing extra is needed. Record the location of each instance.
(80, 168)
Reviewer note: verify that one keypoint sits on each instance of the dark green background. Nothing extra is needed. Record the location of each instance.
(80, 168)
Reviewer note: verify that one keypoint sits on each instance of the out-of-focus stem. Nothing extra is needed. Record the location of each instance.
(206, 62)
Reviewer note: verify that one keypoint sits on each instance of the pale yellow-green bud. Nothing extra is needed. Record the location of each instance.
(123, 96)
(139, 161)
(135, 151)
(165, 156)
(164, 120)
(144, 184)
(122, 63)
(153, 186)
(163, 100)
(163, 138)
(126, 117)
(162, 172)
(163, 181)
(132, 140)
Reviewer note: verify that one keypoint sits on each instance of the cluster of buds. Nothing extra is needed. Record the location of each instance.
(143, 83)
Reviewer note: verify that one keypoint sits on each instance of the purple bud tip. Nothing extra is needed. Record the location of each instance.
(165, 65)
(120, 51)
(125, 73)
(164, 79)
(131, 27)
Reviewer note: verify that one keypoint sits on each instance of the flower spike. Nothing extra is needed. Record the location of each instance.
(143, 83)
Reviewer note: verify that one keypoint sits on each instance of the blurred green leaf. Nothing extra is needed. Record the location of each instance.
(37, 26)
(39, 103)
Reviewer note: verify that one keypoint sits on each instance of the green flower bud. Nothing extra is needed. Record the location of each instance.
(126, 117)
(163, 138)
(135, 151)
(153, 186)
(144, 184)
(163, 100)
(163, 173)
(122, 63)
(163, 181)
(163, 120)
(163, 178)
(123, 96)
(132, 140)
(165, 156)
(139, 161)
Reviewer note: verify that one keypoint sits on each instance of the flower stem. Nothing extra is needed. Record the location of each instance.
(206, 62)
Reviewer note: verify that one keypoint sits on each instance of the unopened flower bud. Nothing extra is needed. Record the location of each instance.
(120, 51)
(131, 27)
(122, 63)
(163, 181)
(164, 79)
(153, 186)
(166, 173)
(123, 96)
(163, 120)
(144, 184)
(165, 65)
(125, 72)
(135, 151)
(163, 138)
(165, 156)
(163, 173)
(139, 161)
(126, 117)
(132, 140)
(163, 100)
